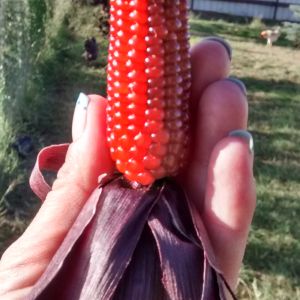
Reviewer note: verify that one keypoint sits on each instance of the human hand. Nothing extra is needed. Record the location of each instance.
(220, 174)
(219, 178)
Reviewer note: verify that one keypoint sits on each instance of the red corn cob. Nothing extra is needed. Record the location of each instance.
(148, 87)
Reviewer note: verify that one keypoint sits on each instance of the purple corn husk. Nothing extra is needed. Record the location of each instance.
(136, 244)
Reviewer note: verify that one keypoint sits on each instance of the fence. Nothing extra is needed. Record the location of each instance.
(278, 10)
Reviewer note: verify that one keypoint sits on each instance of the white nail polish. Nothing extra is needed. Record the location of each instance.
(83, 101)
(80, 116)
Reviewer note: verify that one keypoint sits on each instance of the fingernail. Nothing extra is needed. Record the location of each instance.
(223, 42)
(239, 83)
(82, 101)
(80, 116)
(246, 135)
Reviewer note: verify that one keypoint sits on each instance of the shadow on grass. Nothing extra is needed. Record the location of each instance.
(282, 88)
(274, 245)
(281, 259)
(279, 214)
(273, 116)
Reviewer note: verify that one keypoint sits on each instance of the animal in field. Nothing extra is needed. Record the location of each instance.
(271, 35)
(90, 49)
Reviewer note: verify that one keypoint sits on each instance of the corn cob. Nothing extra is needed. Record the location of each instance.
(148, 87)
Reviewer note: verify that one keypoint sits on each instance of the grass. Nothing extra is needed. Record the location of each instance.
(272, 75)
(58, 74)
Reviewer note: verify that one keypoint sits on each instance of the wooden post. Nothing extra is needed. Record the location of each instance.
(192, 5)
(275, 10)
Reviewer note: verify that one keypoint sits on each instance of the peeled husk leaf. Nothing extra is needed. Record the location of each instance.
(143, 243)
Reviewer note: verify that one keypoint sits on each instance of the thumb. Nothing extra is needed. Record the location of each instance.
(88, 157)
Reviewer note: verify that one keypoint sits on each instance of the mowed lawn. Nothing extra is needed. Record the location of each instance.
(272, 76)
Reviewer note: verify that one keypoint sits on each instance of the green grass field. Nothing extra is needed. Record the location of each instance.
(272, 75)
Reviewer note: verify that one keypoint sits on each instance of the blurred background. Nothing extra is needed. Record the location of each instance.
(50, 50)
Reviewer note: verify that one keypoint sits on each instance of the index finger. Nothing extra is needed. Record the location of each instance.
(210, 61)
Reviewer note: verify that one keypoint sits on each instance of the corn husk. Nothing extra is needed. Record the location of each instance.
(146, 243)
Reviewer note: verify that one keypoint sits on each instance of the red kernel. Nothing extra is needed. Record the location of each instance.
(135, 166)
(153, 126)
(145, 178)
(159, 173)
(121, 154)
(151, 162)
(138, 17)
(121, 166)
(138, 98)
(137, 153)
(158, 149)
(139, 29)
(142, 140)
(162, 136)
(154, 114)
(125, 142)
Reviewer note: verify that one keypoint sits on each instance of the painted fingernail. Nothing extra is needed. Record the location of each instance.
(80, 116)
(82, 101)
(223, 42)
(246, 135)
(239, 83)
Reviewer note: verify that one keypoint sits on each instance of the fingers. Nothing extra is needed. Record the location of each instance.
(222, 108)
(230, 201)
(224, 179)
(24, 262)
(210, 62)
